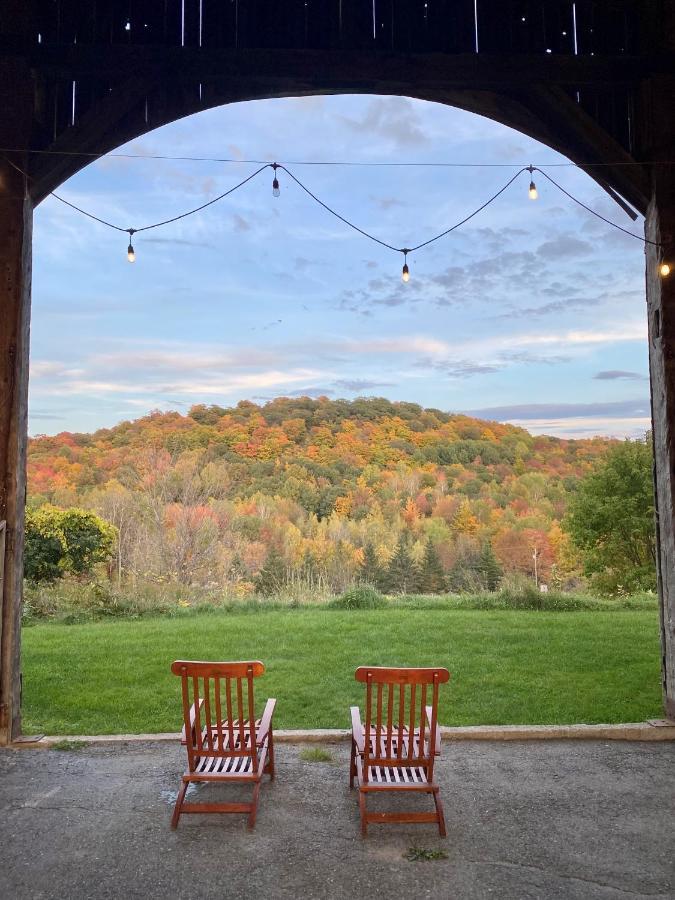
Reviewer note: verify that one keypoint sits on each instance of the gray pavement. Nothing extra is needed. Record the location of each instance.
(557, 819)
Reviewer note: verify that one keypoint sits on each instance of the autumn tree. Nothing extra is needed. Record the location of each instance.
(488, 567)
(44, 547)
(431, 576)
(402, 576)
(65, 541)
(611, 520)
(371, 571)
(272, 577)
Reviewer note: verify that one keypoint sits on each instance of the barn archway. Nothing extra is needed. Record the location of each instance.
(594, 81)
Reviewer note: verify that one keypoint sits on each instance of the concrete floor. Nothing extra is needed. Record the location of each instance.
(525, 820)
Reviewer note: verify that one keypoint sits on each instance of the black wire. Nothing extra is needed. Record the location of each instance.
(474, 213)
(88, 214)
(204, 205)
(632, 234)
(404, 250)
(166, 221)
(314, 162)
(337, 214)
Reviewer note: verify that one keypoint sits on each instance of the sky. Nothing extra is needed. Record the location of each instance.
(532, 313)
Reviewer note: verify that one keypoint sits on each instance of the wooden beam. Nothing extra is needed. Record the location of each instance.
(15, 281)
(660, 227)
(111, 61)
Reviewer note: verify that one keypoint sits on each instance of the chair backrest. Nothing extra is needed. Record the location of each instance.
(218, 707)
(396, 715)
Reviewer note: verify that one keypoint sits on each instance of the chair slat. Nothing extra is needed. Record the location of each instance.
(240, 714)
(423, 716)
(195, 700)
(219, 711)
(369, 713)
(378, 727)
(401, 719)
(411, 730)
(207, 712)
(251, 714)
(228, 701)
(390, 704)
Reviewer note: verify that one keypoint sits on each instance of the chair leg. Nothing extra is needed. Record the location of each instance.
(179, 804)
(364, 812)
(439, 813)
(269, 768)
(352, 766)
(254, 806)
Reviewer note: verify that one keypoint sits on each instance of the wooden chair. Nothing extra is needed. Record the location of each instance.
(395, 749)
(236, 747)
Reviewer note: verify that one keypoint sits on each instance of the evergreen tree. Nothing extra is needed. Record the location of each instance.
(402, 575)
(489, 567)
(272, 577)
(371, 570)
(432, 577)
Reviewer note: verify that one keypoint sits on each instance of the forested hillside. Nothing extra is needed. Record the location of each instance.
(318, 493)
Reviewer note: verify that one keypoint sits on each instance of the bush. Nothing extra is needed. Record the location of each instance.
(362, 596)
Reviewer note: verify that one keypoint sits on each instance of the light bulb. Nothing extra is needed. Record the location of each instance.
(533, 191)
(405, 274)
(131, 255)
(664, 270)
(276, 190)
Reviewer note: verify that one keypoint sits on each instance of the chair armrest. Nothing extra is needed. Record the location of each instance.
(437, 744)
(193, 717)
(266, 721)
(357, 729)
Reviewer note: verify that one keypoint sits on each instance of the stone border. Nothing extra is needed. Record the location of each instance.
(654, 730)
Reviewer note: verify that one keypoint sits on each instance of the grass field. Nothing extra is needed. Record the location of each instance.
(518, 667)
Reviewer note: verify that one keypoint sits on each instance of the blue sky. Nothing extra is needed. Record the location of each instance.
(533, 312)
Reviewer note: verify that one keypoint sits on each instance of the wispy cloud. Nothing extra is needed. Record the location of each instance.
(539, 411)
(619, 375)
(391, 119)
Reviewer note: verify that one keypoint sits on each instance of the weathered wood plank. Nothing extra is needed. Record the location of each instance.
(15, 281)
(660, 227)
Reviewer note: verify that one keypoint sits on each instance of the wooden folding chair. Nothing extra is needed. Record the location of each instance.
(235, 747)
(395, 749)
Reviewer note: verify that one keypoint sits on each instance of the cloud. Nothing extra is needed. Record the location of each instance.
(552, 308)
(173, 241)
(360, 384)
(564, 246)
(385, 203)
(619, 374)
(392, 119)
(240, 224)
(460, 368)
(540, 411)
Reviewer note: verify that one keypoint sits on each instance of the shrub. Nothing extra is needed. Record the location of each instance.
(361, 596)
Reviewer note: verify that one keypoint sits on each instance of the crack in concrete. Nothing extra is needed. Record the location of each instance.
(508, 864)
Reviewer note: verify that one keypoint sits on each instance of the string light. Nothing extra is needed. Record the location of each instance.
(405, 273)
(131, 253)
(664, 268)
(533, 187)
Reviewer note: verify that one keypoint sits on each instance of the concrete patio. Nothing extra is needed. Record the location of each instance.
(538, 819)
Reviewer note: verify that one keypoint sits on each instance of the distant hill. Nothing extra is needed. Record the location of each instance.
(205, 496)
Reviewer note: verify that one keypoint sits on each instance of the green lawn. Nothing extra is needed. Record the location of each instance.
(507, 667)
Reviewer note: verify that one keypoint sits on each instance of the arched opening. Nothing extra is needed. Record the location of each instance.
(473, 267)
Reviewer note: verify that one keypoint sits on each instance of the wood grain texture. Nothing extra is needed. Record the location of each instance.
(239, 749)
(395, 748)
(660, 227)
(16, 218)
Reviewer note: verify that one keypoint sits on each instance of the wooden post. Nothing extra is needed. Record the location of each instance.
(660, 227)
(16, 216)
